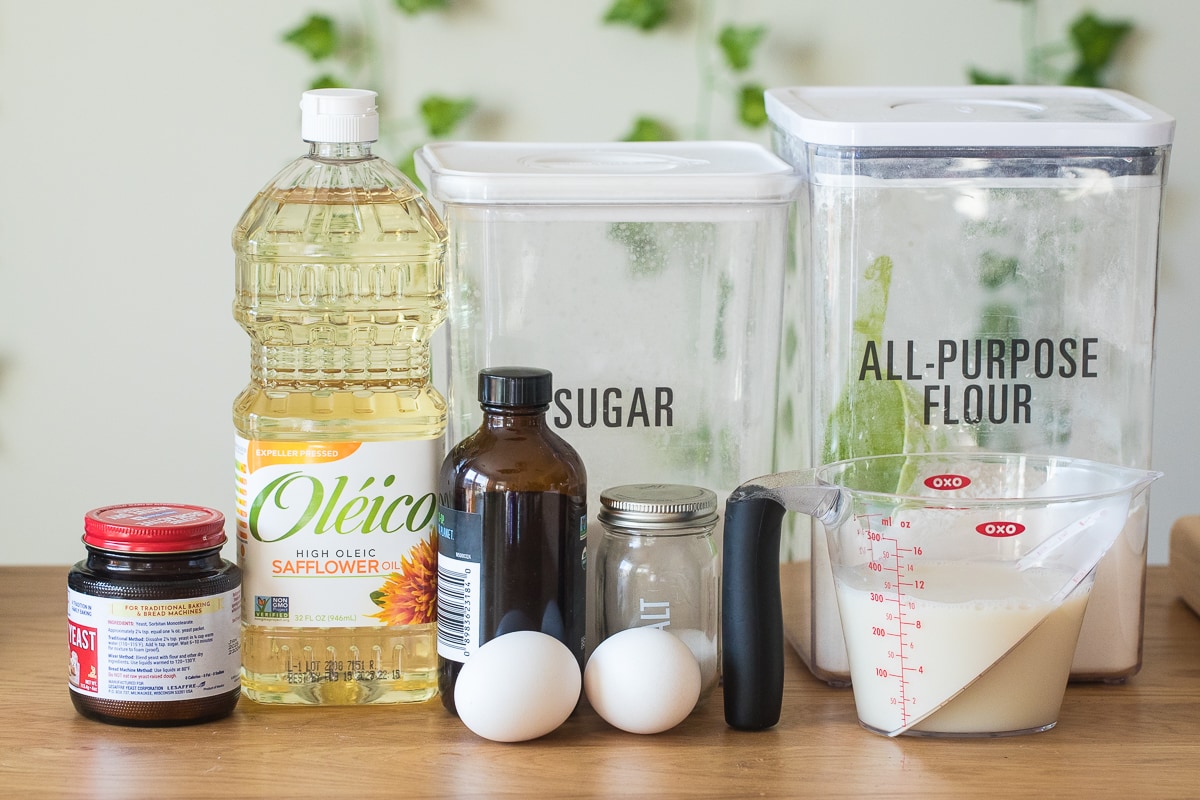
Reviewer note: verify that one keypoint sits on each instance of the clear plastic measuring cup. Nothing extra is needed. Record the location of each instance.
(961, 581)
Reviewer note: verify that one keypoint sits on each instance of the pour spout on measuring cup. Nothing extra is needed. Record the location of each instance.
(1087, 538)
(751, 616)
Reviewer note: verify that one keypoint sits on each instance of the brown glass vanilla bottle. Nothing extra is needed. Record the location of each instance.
(512, 527)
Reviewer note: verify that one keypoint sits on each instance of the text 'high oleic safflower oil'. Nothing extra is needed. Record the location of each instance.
(340, 431)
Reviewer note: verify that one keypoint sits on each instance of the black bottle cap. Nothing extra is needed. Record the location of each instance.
(513, 387)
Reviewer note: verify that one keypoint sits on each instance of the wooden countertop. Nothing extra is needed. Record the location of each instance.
(1140, 739)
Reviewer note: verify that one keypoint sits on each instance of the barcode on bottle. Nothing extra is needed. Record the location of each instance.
(457, 601)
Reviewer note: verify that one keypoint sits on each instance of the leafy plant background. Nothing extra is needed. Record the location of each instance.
(207, 96)
(350, 52)
(1083, 58)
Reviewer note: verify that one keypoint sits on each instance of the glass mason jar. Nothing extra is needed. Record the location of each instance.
(657, 567)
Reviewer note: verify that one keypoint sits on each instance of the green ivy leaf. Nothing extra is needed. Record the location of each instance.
(413, 7)
(648, 129)
(1095, 42)
(318, 37)
(872, 298)
(442, 114)
(1000, 321)
(876, 417)
(738, 45)
(981, 78)
(996, 270)
(642, 245)
(1082, 75)
(326, 81)
(645, 15)
(752, 105)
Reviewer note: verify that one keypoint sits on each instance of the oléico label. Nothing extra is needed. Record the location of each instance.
(154, 650)
(337, 534)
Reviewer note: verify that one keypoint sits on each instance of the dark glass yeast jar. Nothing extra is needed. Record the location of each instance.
(153, 615)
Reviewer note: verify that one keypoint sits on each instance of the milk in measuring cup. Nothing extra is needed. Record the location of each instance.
(995, 662)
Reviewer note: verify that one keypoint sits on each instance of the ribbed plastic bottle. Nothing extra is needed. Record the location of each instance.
(340, 433)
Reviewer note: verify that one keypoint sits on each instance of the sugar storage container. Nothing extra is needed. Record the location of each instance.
(646, 276)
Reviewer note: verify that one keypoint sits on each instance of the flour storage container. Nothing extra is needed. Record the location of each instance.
(976, 271)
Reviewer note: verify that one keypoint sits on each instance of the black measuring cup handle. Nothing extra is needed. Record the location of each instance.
(751, 614)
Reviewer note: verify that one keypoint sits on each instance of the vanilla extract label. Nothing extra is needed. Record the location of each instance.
(976, 381)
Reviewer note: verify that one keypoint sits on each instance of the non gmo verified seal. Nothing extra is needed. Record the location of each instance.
(270, 607)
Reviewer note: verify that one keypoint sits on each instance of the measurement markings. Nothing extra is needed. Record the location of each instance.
(901, 624)
(893, 563)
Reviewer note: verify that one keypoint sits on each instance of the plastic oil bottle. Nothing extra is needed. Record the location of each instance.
(340, 433)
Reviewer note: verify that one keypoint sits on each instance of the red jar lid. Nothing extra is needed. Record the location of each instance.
(154, 528)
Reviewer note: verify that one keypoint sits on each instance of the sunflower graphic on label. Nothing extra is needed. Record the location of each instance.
(409, 596)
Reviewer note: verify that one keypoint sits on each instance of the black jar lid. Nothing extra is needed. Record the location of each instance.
(154, 528)
(515, 387)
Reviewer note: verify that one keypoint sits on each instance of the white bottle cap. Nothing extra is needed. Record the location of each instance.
(338, 115)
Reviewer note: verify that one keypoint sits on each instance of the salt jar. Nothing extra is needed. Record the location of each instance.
(656, 566)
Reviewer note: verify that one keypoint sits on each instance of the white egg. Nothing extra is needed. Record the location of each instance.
(642, 680)
(517, 687)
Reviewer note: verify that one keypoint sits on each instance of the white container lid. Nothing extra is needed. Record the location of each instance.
(608, 173)
(968, 116)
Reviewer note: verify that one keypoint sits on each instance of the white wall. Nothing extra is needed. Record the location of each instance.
(135, 132)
